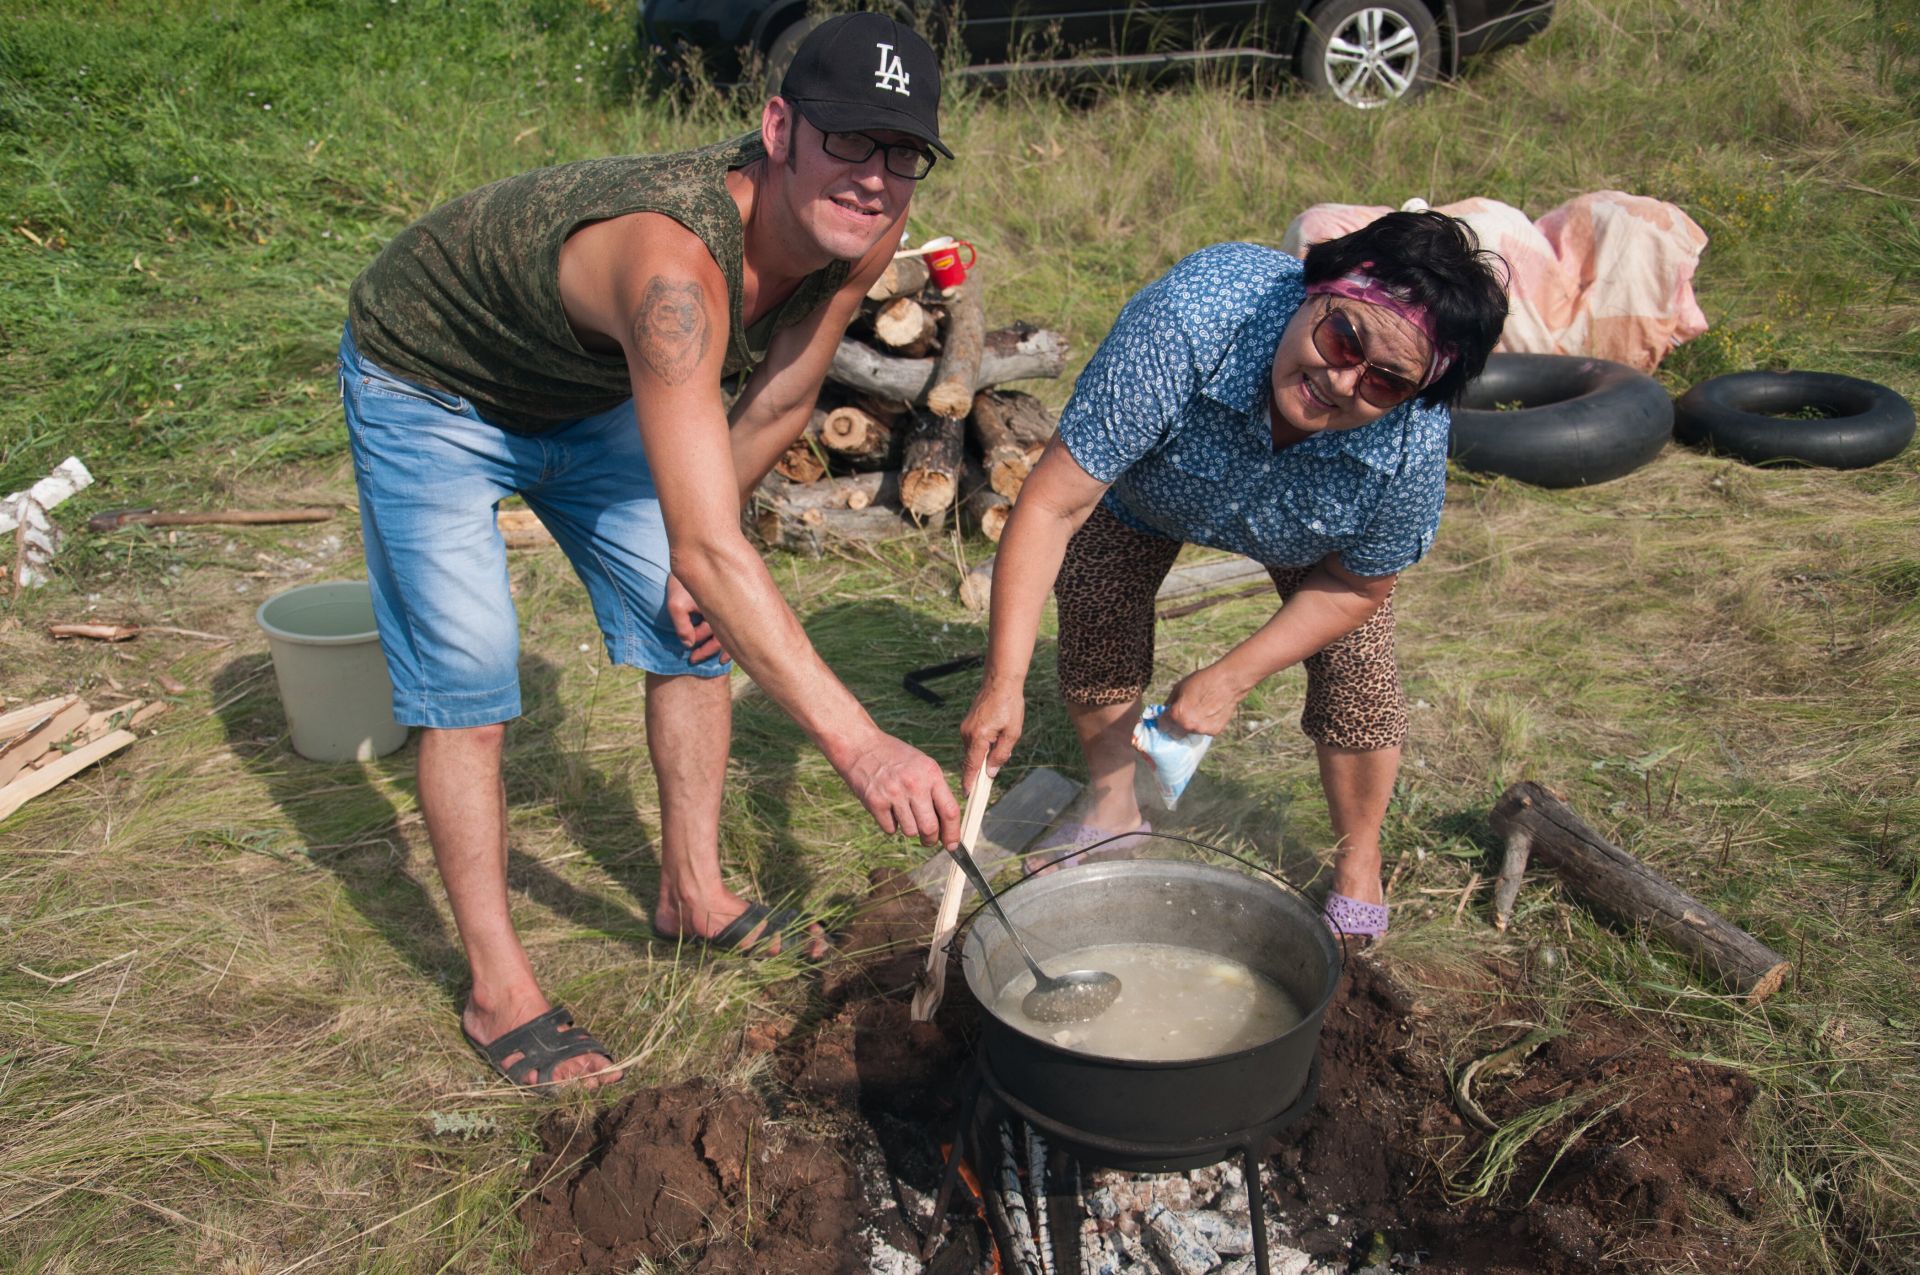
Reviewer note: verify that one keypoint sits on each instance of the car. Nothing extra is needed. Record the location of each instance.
(1366, 53)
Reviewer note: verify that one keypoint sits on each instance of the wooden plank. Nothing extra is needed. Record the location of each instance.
(1014, 823)
(1187, 578)
(18, 721)
(26, 749)
(25, 788)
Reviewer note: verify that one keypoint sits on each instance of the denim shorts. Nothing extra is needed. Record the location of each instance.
(430, 471)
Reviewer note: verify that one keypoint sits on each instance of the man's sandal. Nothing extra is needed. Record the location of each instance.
(782, 923)
(1350, 918)
(543, 1043)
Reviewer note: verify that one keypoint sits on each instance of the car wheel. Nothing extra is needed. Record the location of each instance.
(1368, 53)
(780, 52)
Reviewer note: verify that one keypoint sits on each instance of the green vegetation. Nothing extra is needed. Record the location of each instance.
(1718, 665)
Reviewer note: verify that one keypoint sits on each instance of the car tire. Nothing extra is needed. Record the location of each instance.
(1580, 421)
(1752, 415)
(780, 52)
(1368, 53)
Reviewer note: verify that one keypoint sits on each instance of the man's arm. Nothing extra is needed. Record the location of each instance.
(669, 313)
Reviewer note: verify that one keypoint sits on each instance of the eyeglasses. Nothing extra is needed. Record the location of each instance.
(903, 159)
(1339, 344)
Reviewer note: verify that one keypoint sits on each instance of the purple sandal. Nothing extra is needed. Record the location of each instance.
(1062, 848)
(1350, 918)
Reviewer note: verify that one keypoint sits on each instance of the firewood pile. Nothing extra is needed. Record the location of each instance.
(42, 745)
(914, 427)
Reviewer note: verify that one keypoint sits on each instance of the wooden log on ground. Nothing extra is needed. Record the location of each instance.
(906, 327)
(1618, 885)
(522, 529)
(961, 351)
(930, 464)
(1012, 430)
(1183, 581)
(985, 508)
(1017, 353)
(903, 277)
(855, 438)
(848, 491)
(810, 531)
(803, 461)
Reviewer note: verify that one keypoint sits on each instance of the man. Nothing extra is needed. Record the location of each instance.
(563, 335)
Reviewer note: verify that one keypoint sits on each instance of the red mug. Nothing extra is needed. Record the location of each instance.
(944, 263)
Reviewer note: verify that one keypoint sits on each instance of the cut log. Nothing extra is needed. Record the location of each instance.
(857, 439)
(18, 792)
(1618, 885)
(960, 352)
(906, 327)
(903, 277)
(804, 461)
(1011, 430)
(986, 508)
(849, 491)
(810, 531)
(26, 748)
(522, 529)
(930, 465)
(1184, 580)
(1011, 354)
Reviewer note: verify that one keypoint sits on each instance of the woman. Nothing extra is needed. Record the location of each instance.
(1293, 412)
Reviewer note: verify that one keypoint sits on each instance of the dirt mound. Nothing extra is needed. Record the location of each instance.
(1385, 1139)
(846, 1145)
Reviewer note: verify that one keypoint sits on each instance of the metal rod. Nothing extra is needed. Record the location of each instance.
(1256, 1208)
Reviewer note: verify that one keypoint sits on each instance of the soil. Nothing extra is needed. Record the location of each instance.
(849, 1137)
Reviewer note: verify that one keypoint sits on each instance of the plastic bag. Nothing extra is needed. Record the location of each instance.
(1174, 758)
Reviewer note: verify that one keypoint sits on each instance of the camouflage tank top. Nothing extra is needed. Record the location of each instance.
(467, 299)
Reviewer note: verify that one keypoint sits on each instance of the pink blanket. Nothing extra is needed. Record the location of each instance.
(1607, 274)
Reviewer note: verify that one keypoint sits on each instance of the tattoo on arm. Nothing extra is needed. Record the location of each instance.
(671, 331)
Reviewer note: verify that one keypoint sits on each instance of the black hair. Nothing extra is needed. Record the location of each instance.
(1436, 262)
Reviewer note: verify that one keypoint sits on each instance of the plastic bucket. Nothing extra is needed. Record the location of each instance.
(332, 675)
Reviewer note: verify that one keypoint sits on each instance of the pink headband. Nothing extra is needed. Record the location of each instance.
(1358, 286)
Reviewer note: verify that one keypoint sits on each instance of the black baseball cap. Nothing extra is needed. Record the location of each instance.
(861, 71)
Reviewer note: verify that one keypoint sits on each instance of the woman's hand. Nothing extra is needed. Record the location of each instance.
(694, 632)
(1203, 702)
(992, 728)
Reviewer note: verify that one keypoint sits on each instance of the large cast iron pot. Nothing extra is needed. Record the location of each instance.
(1266, 926)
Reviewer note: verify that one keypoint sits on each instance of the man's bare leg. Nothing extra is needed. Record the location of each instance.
(465, 804)
(1359, 784)
(1106, 738)
(689, 734)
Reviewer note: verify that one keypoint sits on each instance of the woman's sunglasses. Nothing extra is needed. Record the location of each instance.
(1339, 345)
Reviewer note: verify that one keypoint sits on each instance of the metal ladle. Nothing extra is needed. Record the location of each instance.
(1073, 997)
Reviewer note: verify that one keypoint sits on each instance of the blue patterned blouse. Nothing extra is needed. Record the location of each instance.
(1172, 412)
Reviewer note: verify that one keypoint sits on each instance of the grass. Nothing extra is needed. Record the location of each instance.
(255, 1065)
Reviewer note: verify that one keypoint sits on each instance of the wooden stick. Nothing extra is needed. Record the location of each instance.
(20, 791)
(1620, 886)
(933, 979)
(28, 717)
(906, 326)
(1011, 354)
(903, 277)
(225, 517)
(1506, 887)
(960, 352)
(97, 632)
(930, 465)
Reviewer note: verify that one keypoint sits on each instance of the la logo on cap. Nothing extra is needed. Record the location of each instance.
(892, 74)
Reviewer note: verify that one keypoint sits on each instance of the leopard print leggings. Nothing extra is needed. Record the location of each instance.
(1106, 603)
